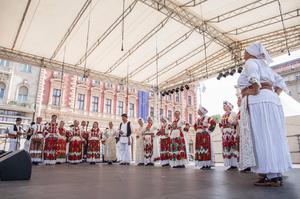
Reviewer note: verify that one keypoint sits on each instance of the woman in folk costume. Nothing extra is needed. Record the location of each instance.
(61, 143)
(148, 143)
(110, 144)
(85, 135)
(229, 137)
(262, 127)
(51, 138)
(75, 145)
(178, 156)
(94, 142)
(186, 132)
(164, 134)
(37, 142)
(204, 127)
(139, 146)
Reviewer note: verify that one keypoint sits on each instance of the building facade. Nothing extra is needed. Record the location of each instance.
(290, 71)
(18, 91)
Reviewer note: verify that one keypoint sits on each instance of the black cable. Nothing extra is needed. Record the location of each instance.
(283, 28)
(122, 47)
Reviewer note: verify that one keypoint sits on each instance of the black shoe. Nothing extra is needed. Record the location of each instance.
(122, 163)
(140, 164)
(208, 167)
(127, 164)
(246, 170)
(151, 164)
(182, 166)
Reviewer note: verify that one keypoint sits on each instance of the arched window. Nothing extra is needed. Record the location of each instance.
(2, 90)
(23, 94)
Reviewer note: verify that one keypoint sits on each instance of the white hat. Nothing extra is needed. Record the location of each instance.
(259, 51)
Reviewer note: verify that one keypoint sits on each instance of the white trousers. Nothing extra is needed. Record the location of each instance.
(12, 145)
(125, 152)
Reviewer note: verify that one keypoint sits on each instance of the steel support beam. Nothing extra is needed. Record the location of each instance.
(71, 28)
(264, 23)
(107, 32)
(192, 3)
(241, 10)
(21, 23)
(161, 53)
(135, 47)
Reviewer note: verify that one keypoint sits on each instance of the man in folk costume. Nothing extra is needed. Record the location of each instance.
(110, 144)
(51, 139)
(139, 143)
(61, 143)
(75, 145)
(84, 134)
(29, 134)
(37, 142)
(125, 131)
(94, 142)
(14, 134)
(178, 157)
(148, 143)
(204, 127)
(229, 137)
(164, 134)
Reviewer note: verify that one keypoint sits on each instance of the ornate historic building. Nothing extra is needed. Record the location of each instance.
(18, 89)
(72, 97)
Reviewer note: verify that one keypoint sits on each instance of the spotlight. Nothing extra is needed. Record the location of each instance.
(181, 88)
(177, 90)
(227, 73)
(240, 69)
(167, 92)
(232, 72)
(172, 91)
(220, 76)
(163, 93)
(187, 87)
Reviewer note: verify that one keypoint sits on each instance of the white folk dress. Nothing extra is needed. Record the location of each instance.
(266, 118)
(139, 146)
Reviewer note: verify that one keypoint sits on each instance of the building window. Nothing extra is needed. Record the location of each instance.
(152, 111)
(96, 82)
(56, 97)
(169, 115)
(190, 118)
(190, 100)
(109, 85)
(131, 110)
(80, 101)
(108, 106)
(25, 68)
(2, 90)
(177, 97)
(23, 94)
(169, 97)
(95, 103)
(298, 77)
(4, 63)
(120, 107)
(161, 112)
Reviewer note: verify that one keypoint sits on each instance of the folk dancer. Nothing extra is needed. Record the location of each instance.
(229, 136)
(51, 139)
(178, 157)
(204, 127)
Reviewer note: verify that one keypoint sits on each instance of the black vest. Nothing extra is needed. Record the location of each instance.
(128, 129)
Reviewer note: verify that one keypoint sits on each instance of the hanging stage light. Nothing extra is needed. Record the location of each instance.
(240, 69)
(187, 87)
(167, 92)
(232, 72)
(163, 93)
(177, 90)
(220, 76)
(172, 91)
(181, 88)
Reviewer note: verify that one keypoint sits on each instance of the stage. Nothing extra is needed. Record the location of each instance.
(132, 182)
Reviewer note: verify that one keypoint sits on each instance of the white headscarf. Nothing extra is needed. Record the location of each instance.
(259, 51)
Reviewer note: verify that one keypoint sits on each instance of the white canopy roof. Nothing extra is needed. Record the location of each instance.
(163, 40)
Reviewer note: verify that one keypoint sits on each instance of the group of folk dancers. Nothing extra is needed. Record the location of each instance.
(254, 138)
(53, 143)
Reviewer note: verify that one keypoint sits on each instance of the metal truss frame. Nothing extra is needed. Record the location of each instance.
(241, 10)
(264, 23)
(107, 32)
(161, 53)
(136, 46)
(71, 28)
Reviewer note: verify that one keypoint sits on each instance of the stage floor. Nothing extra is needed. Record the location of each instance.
(132, 182)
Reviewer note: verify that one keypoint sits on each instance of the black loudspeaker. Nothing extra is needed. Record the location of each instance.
(15, 166)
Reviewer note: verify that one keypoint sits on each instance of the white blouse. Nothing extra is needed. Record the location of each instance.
(257, 71)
